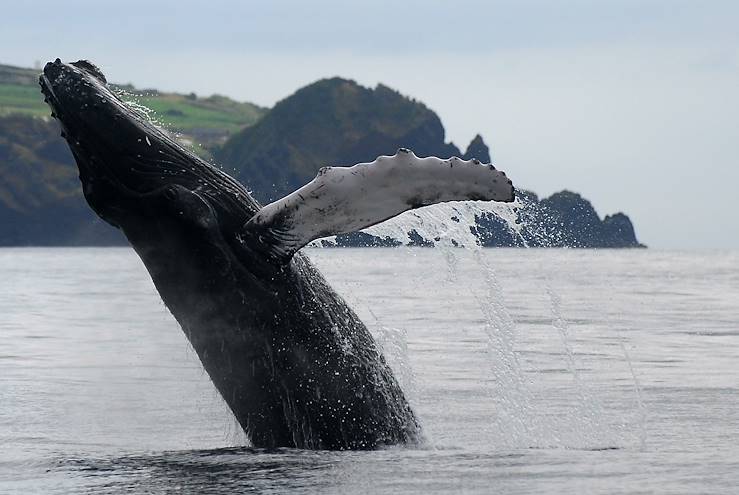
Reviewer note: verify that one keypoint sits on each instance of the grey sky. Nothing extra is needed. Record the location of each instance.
(634, 104)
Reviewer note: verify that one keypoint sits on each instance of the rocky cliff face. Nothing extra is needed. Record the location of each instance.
(338, 122)
(478, 149)
(330, 122)
(41, 203)
(565, 219)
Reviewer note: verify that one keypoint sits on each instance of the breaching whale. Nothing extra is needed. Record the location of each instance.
(293, 362)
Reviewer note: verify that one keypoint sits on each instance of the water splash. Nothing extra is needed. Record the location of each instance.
(133, 101)
(444, 224)
(393, 343)
(450, 224)
(510, 391)
(587, 418)
(517, 419)
(641, 407)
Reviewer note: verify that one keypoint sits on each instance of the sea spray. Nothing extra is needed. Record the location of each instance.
(447, 223)
(517, 419)
(451, 225)
(510, 392)
(641, 407)
(448, 226)
(393, 342)
(585, 424)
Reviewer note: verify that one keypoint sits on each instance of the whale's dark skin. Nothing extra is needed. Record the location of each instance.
(290, 358)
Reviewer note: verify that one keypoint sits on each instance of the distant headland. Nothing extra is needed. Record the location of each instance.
(332, 121)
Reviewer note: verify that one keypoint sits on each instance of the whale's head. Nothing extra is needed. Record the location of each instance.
(128, 166)
(177, 210)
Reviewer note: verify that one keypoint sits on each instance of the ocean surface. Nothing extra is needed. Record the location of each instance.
(532, 371)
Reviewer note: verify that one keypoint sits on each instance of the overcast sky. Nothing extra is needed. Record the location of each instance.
(634, 104)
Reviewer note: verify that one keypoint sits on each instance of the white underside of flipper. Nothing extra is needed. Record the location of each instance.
(347, 199)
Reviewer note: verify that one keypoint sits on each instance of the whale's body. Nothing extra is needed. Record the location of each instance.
(290, 358)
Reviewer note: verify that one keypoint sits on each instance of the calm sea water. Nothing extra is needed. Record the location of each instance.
(533, 371)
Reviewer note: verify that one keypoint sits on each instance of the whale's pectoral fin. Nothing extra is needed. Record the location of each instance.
(346, 199)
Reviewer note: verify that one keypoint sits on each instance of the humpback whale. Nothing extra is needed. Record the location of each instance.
(290, 358)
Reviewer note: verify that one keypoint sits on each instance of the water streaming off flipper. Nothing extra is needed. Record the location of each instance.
(447, 224)
(641, 411)
(517, 420)
(582, 422)
(641, 408)
(585, 422)
(393, 342)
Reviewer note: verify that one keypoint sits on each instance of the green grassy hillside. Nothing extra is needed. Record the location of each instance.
(206, 121)
(22, 99)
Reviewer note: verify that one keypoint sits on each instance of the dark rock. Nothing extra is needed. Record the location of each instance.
(565, 219)
(362, 239)
(619, 231)
(493, 231)
(40, 199)
(331, 122)
(478, 149)
(418, 241)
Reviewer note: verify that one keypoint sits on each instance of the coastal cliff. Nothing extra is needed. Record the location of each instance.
(273, 151)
